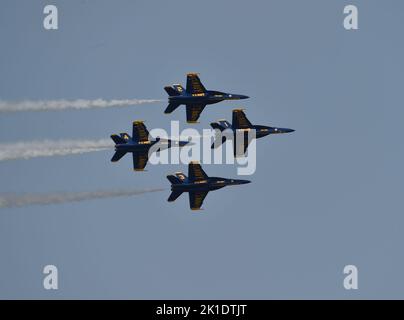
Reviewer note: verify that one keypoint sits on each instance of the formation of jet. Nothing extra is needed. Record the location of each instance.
(139, 145)
(195, 97)
(197, 184)
(241, 124)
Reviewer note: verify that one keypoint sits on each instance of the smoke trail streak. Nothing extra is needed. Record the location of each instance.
(13, 201)
(49, 148)
(48, 105)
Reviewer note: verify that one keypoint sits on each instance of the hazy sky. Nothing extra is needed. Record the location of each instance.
(325, 196)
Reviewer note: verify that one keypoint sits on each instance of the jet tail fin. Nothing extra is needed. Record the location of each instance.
(175, 90)
(174, 179)
(117, 139)
(171, 91)
(221, 125)
(174, 195)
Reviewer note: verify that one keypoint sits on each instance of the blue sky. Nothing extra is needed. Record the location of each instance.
(326, 196)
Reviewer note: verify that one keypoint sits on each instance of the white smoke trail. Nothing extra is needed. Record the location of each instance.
(23, 200)
(47, 105)
(49, 148)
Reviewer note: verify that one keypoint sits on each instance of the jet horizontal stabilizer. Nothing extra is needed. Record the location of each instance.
(117, 156)
(171, 107)
(174, 195)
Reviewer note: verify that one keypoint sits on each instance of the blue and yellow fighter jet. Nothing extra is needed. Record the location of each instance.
(139, 145)
(195, 97)
(197, 184)
(242, 125)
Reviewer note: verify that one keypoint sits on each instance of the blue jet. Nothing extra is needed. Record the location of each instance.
(241, 126)
(197, 184)
(139, 145)
(195, 97)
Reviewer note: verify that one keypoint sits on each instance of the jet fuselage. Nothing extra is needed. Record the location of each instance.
(133, 146)
(209, 184)
(208, 97)
(262, 131)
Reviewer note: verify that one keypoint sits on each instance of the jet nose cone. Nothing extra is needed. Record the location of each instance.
(281, 130)
(184, 143)
(231, 96)
(236, 182)
(288, 130)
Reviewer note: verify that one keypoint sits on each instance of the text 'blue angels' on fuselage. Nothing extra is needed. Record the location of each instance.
(195, 97)
(242, 125)
(139, 145)
(197, 184)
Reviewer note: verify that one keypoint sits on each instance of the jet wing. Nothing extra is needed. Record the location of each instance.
(240, 120)
(196, 199)
(194, 111)
(195, 172)
(194, 84)
(139, 132)
(243, 145)
(140, 160)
